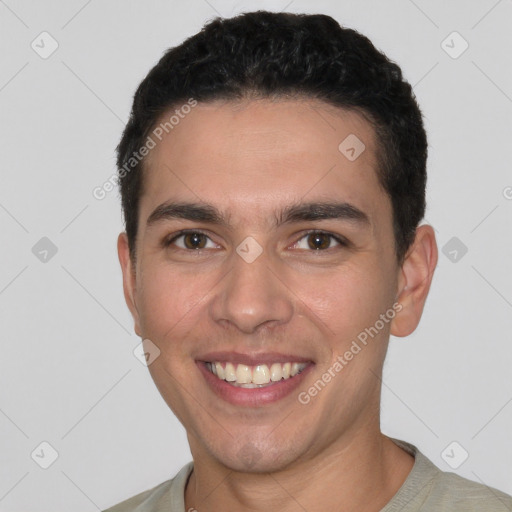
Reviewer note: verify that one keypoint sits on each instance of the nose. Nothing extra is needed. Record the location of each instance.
(252, 295)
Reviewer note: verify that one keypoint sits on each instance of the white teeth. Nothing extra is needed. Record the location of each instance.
(229, 372)
(243, 374)
(276, 372)
(219, 371)
(256, 376)
(261, 374)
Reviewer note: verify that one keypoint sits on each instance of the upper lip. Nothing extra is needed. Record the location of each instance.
(252, 359)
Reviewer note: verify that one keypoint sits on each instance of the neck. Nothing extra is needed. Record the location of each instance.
(362, 471)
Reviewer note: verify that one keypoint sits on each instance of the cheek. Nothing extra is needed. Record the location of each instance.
(346, 300)
(168, 300)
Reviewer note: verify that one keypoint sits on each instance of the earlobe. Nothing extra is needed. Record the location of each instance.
(129, 279)
(414, 282)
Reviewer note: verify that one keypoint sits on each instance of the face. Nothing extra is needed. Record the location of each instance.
(264, 250)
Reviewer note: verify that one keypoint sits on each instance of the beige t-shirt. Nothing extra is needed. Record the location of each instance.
(426, 489)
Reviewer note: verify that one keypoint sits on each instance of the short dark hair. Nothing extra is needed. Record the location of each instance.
(274, 55)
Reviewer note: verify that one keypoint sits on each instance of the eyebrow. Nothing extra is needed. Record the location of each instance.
(318, 210)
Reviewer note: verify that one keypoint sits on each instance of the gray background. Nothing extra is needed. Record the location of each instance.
(68, 373)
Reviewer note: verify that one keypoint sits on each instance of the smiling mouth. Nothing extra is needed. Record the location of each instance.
(258, 376)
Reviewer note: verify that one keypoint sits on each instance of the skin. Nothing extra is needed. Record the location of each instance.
(250, 159)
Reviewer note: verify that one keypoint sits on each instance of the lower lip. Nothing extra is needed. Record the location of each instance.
(252, 397)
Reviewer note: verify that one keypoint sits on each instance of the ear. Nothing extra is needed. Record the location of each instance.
(123, 252)
(414, 281)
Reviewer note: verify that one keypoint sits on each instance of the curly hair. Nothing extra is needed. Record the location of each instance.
(272, 55)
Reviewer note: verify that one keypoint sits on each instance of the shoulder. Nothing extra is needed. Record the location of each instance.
(453, 492)
(428, 488)
(166, 496)
(142, 500)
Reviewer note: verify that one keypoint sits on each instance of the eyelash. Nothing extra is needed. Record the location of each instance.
(341, 240)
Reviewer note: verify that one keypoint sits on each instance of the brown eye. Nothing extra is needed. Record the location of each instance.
(319, 240)
(189, 240)
(194, 240)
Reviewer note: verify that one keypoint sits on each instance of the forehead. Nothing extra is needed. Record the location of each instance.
(254, 156)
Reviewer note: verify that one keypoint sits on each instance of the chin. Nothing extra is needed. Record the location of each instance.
(251, 456)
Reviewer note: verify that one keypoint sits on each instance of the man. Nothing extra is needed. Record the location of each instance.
(273, 180)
